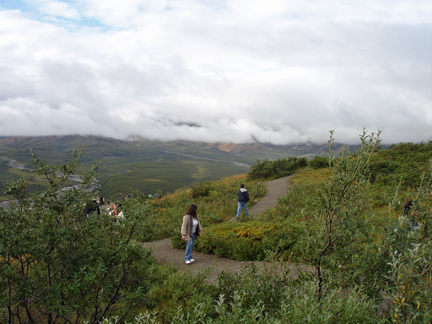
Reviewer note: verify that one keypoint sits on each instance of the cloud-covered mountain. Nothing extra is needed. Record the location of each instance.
(277, 72)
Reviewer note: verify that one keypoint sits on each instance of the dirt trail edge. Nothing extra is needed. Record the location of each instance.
(165, 254)
(275, 189)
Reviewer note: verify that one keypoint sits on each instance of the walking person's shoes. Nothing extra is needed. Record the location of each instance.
(192, 260)
(188, 262)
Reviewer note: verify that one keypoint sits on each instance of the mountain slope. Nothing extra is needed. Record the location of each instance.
(144, 164)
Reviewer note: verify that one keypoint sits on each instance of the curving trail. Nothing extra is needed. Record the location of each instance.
(275, 189)
(166, 254)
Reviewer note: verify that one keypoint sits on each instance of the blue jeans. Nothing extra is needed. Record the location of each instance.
(241, 205)
(189, 246)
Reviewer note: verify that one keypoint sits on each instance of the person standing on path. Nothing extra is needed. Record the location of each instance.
(190, 230)
(242, 199)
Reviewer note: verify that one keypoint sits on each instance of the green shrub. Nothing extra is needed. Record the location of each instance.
(400, 161)
(267, 286)
(275, 169)
(319, 162)
(180, 289)
(249, 240)
(177, 242)
(62, 267)
(201, 190)
(411, 289)
(266, 299)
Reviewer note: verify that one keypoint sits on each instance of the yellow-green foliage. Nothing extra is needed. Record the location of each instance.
(251, 240)
(378, 196)
(216, 201)
(310, 176)
(278, 229)
(235, 240)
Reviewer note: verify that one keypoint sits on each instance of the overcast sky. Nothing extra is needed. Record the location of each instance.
(279, 71)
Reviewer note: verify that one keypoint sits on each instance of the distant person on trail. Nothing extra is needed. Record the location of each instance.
(242, 199)
(190, 230)
(91, 207)
(113, 210)
(412, 219)
(407, 206)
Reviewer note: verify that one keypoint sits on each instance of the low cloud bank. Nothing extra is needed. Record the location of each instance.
(253, 71)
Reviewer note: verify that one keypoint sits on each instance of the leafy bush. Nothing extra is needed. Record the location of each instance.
(411, 288)
(178, 288)
(249, 240)
(403, 161)
(177, 242)
(57, 266)
(319, 162)
(275, 169)
(201, 190)
(266, 297)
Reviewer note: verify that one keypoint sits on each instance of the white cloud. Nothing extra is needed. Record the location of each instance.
(55, 8)
(274, 71)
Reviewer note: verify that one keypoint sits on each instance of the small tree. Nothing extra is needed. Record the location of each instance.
(340, 221)
(59, 267)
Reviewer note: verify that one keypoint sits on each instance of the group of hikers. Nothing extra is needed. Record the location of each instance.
(113, 209)
(191, 228)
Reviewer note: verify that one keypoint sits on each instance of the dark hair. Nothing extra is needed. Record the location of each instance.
(408, 205)
(192, 210)
(242, 185)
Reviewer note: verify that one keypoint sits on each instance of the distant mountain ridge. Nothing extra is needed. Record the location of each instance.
(146, 165)
(104, 146)
(305, 149)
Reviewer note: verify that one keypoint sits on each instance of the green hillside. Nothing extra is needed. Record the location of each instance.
(366, 258)
(145, 165)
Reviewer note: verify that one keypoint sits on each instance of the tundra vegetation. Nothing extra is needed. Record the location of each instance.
(147, 165)
(343, 217)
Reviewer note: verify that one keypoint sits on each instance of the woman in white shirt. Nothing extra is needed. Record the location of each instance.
(190, 230)
(115, 212)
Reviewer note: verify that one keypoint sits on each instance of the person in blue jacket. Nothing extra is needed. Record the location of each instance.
(242, 199)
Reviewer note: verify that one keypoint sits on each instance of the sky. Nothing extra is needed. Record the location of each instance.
(271, 71)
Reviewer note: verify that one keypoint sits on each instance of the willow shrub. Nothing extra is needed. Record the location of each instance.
(269, 295)
(411, 287)
(268, 169)
(57, 266)
(403, 161)
(297, 305)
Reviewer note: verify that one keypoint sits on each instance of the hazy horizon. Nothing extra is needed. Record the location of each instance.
(136, 139)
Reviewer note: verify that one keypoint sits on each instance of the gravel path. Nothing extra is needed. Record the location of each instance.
(275, 189)
(165, 254)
